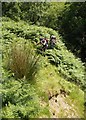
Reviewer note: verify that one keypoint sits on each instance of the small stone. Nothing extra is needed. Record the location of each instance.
(55, 100)
(53, 113)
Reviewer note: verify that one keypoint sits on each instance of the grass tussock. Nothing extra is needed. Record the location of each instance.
(24, 61)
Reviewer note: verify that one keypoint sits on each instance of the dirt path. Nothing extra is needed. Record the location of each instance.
(59, 107)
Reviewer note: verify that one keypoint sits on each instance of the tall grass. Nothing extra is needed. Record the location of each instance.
(24, 61)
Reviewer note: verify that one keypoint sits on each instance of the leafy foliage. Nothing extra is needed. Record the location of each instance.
(32, 32)
(19, 56)
(70, 67)
(39, 13)
(19, 98)
(68, 18)
(60, 56)
(20, 62)
(72, 28)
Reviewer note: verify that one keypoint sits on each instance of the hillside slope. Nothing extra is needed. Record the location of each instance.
(50, 93)
(62, 96)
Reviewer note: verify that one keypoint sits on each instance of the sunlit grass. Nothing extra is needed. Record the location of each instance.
(48, 80)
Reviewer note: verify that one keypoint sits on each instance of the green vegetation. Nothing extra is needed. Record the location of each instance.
(19, 102)
(60, 56)
(21, 63)
(52, 83)
(69, 19)
(72, 28)
(37, 84)
(66, 65)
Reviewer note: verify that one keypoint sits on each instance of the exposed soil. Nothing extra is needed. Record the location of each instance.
(59, 107)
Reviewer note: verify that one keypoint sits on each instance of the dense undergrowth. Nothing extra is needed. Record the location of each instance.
(21, 62)
(19, 102)
(67, 64)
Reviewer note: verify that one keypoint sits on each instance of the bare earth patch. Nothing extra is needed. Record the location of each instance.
(59, 108)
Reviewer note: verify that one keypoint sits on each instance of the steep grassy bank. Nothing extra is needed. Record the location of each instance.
(62, 95)
(69, 66)
(25, 97)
